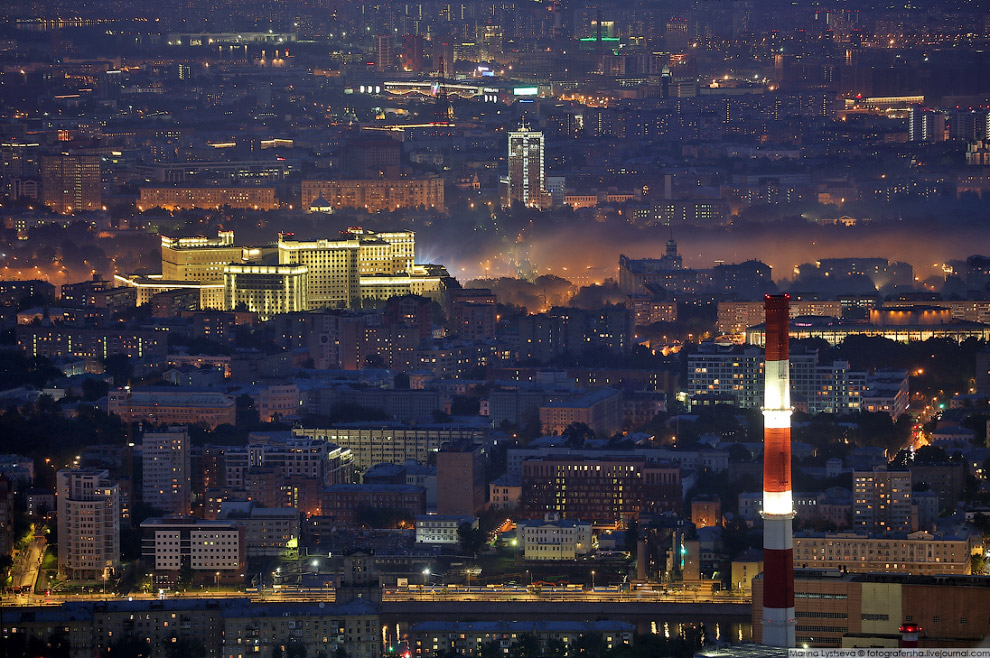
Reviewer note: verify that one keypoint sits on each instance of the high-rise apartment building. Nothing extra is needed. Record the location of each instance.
(526, 182)
(19, 159)
(882, 501)
(383, 52)
(88, 505)
(166, 470)
(71, 183)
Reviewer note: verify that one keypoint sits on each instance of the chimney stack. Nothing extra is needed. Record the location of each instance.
(778, 502)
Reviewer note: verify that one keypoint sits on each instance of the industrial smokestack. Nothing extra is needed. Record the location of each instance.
(778, 502)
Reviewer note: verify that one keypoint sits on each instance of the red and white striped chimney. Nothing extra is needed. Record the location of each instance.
(778, 503)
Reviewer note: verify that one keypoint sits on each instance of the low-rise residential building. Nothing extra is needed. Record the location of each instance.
(225, 627)
(553, 538)
(441, 528)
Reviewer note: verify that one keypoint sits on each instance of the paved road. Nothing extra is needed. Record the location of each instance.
(438, 594)
(24, 573)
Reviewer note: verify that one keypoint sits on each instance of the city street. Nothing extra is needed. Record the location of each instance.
(493, 594)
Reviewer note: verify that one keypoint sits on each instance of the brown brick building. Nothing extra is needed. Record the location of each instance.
(609, 489)
(834, 609)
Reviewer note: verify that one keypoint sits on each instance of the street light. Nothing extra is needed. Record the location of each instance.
(218, 580)
(426, 574)
(592, 580)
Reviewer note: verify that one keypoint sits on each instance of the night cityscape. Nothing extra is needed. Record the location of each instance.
(505, 329)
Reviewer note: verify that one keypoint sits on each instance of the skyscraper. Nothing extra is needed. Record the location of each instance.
(526, 181)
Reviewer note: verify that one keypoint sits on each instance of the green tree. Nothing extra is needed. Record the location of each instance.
(589, 645)
(119, 367)
(94, 389)
(490, 650)
(470, 538)
(525, 646)
(128, 646)
(577, 434)
(184, 647)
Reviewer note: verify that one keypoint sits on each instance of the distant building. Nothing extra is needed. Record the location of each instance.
(88, 511)
(179, 198)
(71, 183)
(865, 610)
(601, 410)
(553, 538)
(213, 551)
(348, 504)
(526, 182)
(225, 627)
(882, 501)
(268, 532)
(610, 488)
(706, 511)
(376, 195)
(917, 553)
(180, 407)
(442, 528)
(393, 443)
(266, 289)
(198, 259)
(505, 493)
(166, 472)
(144, 346)
(734, 317)
(461, 479)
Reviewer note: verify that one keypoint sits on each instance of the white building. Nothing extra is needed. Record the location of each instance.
(88, 505)
(526, 182)
(212, 550)
(166, 470)
(554, 538)
(441, 528)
